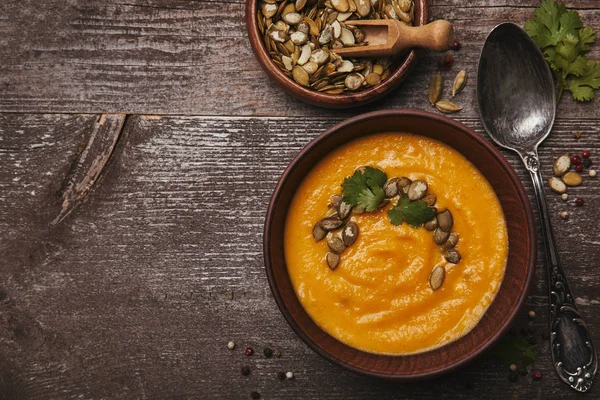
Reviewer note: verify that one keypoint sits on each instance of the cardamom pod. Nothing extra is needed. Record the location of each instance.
(447, 107)
(435, 88)
(459, 82)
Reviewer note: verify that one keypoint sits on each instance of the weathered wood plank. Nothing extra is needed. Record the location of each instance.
(193, 57)
(136, 293)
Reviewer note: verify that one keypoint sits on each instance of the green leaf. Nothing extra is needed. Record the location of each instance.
(364, 188)
(514, 349)
(582, 88)
(415, 213)
(578, 67)
(371, 199)
(586, 38)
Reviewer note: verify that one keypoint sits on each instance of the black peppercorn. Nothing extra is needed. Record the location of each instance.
(245, 371)
(268, 352)
(281, 376)
(587, 162)
(255, 395)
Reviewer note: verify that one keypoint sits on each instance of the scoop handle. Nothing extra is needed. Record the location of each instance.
(437, 36)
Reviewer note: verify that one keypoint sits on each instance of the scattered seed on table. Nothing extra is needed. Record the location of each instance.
(531, 314)
(268, 352)
(255, 395)
(245, 371)
(587, 162)
(289, 375)
(456, 45)
(231, 345)
(585, 154)
(513, 367)
(536, 375)
(579, 202)
(592, 173)
(576, 134)
(446, 61)
(564, 196)
(564, 215)
(579, 168)
(277, 353)
(249, 351)
(575, 159)
(513, 376)
(281, 376)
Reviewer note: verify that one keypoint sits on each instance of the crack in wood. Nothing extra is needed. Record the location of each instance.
(92, 161)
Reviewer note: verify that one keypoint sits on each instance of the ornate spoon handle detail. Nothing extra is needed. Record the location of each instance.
(573, 352)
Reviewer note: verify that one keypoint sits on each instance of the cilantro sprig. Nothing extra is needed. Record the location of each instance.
(564, 40)
(365, 188)
(415, 213)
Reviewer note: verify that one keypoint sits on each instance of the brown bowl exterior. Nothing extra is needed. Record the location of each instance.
(401, 67)
(521, 236)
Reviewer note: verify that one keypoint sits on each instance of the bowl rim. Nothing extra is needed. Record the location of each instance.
(322, 99)
(523, 199)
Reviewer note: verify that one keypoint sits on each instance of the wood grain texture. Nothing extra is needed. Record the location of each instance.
(194, 57)
(136, 293)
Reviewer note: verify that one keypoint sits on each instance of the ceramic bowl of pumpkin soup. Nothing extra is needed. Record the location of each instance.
(399, 244)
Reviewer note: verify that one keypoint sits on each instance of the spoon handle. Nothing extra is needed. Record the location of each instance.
(571, 344)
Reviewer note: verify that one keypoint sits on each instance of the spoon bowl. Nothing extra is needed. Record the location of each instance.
(517, 103)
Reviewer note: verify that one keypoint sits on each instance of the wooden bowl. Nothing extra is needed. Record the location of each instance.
(399, 69)
(521, 237)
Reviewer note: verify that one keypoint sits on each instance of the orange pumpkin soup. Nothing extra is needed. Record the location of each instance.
(379, 298)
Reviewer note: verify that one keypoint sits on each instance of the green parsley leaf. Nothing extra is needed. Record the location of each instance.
(564, 40)
(365, 188)
(582, 87)
(514, 349)
(371, 199)
(415, 213)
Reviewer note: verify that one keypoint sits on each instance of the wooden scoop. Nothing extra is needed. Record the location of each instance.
(389, 37)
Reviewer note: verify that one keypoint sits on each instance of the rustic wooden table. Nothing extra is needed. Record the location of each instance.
(139, 144)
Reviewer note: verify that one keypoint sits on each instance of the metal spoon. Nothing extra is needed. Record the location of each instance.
(516, 98)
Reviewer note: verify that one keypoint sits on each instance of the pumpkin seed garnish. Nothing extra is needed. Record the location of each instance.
(445, 220)
(436, 279)
(430, 199)
(336, 244)
(557, 185)
(344, 209)
(333, 260)
(391, 187)
(452, 256)
(431, 225)
(562, 164)
(440, 236)
(572, 179)
(331, 224)
(417, 190)
(459, 82)
(300, 75)
(350, 233)
(318, 233)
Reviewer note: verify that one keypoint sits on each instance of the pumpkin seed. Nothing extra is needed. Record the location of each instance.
(335, 201)
(300, 75)
(363, 7)
(435, 88)
(572, 179)
(336, 244)
(358, 210)
(417, 190)
(403, 185)
(331, 224)
(445, 220)
(354, 81)
(436, 278)
(319, 56)
(298, 38)
(378, 69)
(557, 185)
(303, 27)
(431, 225)
(346, 66)
(333, 260)
(300, 4)
(304, 55)
(452, 256)
(310, 67)
(318, 233)
(347, 37)
(344, 209)
(268, 10)
(391, 187)
(350, 233)
(447, 107)
(340, 5)
(326, 35)
(287, 62)
(439, 236)
(459, 82)
(452, 240)
(343, 16)
(292, 18)
(562, 164)
(430, 199)
(373, 79)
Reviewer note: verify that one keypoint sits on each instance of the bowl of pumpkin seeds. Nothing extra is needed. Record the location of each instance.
(294, 40)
